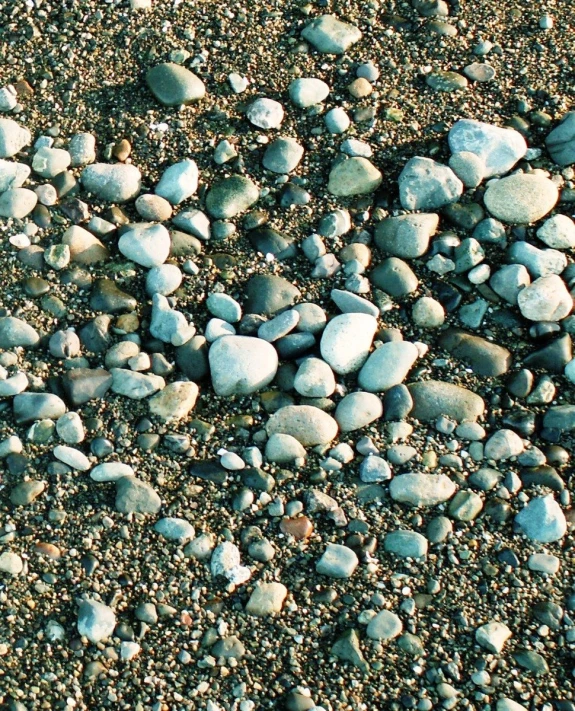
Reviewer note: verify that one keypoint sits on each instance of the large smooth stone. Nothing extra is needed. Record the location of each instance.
(116, 182)
(498, 148)
(146, 244)
(174, 85)
(241, 365)
(522, 198)
(419, 489)
(330, 35)
(354, 176)
(387, 366)
(346, 341)
(433, 398)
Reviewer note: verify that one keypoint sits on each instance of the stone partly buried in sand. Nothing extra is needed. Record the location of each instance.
(484, 357)
(561, 141)
(522, 198)
(433, 398)
(266, 599)
(330, 35)
(353, 176)
(308, 424)
(419, 489)
(96, 621)
(231, 196)
(135, 496)
(174, 85)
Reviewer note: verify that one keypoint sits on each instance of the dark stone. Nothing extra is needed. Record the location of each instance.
(543, 475)
(184, 245)
(464, 215)
(560, 418)
(508, 557)
(35, 287)
(553, 357)
(294, 345)
(210, 470)
(532, 661)
(77, 276)
(268, 295)
(95, 335)
(394, 277)
(397, 403)
(520, 420)
(258, 479)
(107, 297)
(65, 184)
(448, 296)
(293, 194)
(267, 240)
(548, 613)
(561, 141)
(84, 384)
(520, 383)
(32, 256)
(484, 357)
(192, 358)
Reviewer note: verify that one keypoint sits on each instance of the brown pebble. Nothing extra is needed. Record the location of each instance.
(360, 88)
(23, 89)
(299, 528)
(122, 149)
(48, 549)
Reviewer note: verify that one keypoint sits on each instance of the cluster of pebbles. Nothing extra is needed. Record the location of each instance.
(355, 446)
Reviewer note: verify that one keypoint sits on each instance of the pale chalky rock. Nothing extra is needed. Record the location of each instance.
(354, 176)
(266, 599)
(11, 563)
(545, 299)
(425, 184)
(387, 366)
(283, 448)
(505, 704)
(337, 561)
(175, 529)
(174, 85)
(307, 91)
(12, 175)
(346, 341)
(265, 113)
(15, 384)
(167, 324)
(309, 425)
(558, 232)
(111, 471)
(384, 626)
(48, 162)
(241, 365)
(419, 489)
(492, 636)
(28, 407)
(13, 138)
(146, 244)
(231, 196)
(175, 401)
(96, 621)
(358, 410)
(17, 203)
(314, 378)
(82, 149)
(498, 148)
(522, 198)
(406, 544)
(178, 182)
(330, 35)
(135, 385)
(72, 457)
(542, 520)
(226, 561)
(503, 444)
(164, 279)
(118, 182)
(16, 332)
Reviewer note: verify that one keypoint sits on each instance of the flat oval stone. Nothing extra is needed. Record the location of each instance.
(118, 182)
(231, 196)
(178, 182)
(387, 366)
(175, 401)
(358, 410)
(268, 294)
(337, 561)
(266, 599)
(111, 471)
(561, 141)
(433, 398)
(283, 155)
(17, 202)
(406, 544)
(484, 357)
(330, 35)
(135, 496)
(309, 425)
(354, 176)
(406, 236)
(384, 626)
(174, 85)
(522, 198)
(29, 407)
